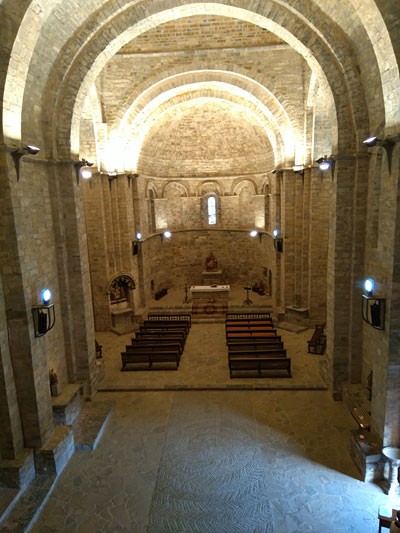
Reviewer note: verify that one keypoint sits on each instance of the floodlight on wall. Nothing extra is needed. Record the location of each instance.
(86, 174)
(325, 163)
(166, 235)
(111, 177)
(44, 315)
(30, 149)
(373, 307)
(78, 165)
(255, 233)
(388, 144)
(298, 169)
(136, 244)
(278, 241)
(138, 236)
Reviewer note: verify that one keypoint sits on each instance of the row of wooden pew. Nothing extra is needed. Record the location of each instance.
(159, 343)
(254, 348)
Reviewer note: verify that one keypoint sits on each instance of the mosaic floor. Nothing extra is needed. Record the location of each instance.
(218, 461)
(215, 461)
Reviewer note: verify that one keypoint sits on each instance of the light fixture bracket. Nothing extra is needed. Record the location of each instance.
(44, 318)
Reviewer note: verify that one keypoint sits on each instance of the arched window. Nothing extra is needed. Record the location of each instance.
(211, 210)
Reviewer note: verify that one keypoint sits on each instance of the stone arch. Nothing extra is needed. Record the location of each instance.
(174, 189)
(151, 191)
(210, 187)
(277, 21)
(245, 187)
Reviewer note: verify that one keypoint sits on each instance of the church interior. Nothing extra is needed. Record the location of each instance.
(199, 265)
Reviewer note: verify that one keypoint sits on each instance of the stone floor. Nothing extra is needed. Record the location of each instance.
(216, 461)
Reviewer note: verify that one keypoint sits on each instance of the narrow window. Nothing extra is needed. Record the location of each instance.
(211, 210)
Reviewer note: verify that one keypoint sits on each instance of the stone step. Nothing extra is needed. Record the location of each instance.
(8, 498)
(26, 510)
(90, 424)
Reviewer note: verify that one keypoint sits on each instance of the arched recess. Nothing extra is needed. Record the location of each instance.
(173, 189)
(210, 187)
(246, 187)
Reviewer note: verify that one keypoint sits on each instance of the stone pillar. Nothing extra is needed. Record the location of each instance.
(11, 437)
(288, 233)
(97, 246)
(70, 210)
(344, 296)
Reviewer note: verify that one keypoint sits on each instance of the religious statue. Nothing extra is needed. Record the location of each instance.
(54, 384)
(211, 263)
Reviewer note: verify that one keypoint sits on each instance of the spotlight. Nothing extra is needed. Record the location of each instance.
(167, 234)
(325, 163)
(298, 169)
(78, 166)
(31, 149)
(371, 141)
(45, 296)
(138, 236)
(86, 174)
(369, 285)
(253, 233)
(275, 233)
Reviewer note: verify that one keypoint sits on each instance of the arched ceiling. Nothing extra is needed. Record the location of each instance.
(61, 49)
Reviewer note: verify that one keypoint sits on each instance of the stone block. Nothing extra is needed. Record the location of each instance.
(57, 451)
(67, 405)
(17, 473)
(367, 457)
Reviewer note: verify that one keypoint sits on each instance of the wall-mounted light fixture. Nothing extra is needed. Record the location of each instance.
(136, 244)
(44, 315)
(278, 241)
(78, 166)
(131, 177)
(298, 169)
(325, 163)
(373, 307)
(255, 233)
(30, 149)
(388, 144)
(166, 235)
(111, 177)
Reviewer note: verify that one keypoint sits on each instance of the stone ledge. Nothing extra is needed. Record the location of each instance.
(67, 405)
(17, 473)
(55, 454)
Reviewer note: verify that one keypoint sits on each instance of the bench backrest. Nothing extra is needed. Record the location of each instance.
(246, 334)
(245, 346)
(259, 354)
(153, 348)
(246, 316)
(179, 317)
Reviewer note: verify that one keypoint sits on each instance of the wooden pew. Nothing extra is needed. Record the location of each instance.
(181, 317)
(247, 316)
(151, 324)
(242, 346)
(155, 343)
(249, 328)
(257, 322)
(157, 337)
(246, 334)
(261, 367)
(164, 329)
(149, 360)
(160, 333)
(255, 342)
(250, 354)
(158, 347)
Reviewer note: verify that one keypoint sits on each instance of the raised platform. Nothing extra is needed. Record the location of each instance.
(90, 424)
(67, 405)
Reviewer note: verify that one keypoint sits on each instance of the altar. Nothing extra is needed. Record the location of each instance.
(210, 293)
(209, 301)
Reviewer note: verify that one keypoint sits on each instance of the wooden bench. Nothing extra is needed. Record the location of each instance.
(234, 335)
(154, 348)
(318, 340)
(267, 348)
(279, 366)
(160, 333)
(179, 317)
(156, 343)
(249, 328)
(166, 324)
(254, 343)
(258, 322)
(247, 316)
(157, 337)
(149, 359)
(165, 329)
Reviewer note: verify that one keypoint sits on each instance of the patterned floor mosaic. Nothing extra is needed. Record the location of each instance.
(215, 462)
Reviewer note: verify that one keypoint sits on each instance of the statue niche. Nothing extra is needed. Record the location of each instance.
(211, 263)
